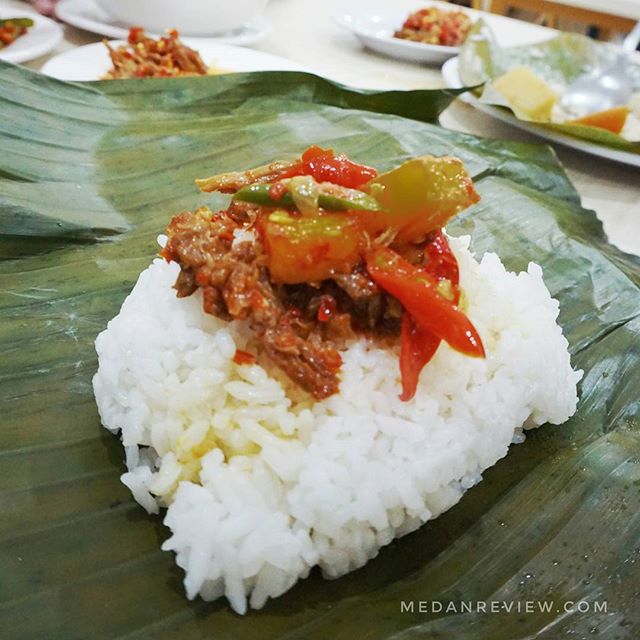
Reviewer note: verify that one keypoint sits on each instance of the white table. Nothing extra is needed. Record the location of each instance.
(302, 31)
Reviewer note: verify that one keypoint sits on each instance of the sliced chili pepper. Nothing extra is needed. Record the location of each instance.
(418, 293)
(326, 308)
(243, 357)
(417, 347)
(331, 197)
(325, 166)
(441, 263)
(134, 34)
(321, 164)
(277, 190)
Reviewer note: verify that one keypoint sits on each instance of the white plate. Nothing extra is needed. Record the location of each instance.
(87, 15)
(39, 39)
(92, 61)
(375, 31)
(375, 22)
(452, 80)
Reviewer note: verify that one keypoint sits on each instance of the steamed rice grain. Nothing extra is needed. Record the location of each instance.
(261, 483)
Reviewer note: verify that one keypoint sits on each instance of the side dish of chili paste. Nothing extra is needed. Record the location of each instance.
(435, 26)
(146, 57)
(12, 28)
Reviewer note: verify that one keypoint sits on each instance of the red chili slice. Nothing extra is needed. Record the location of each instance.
(419, 295)
(243, 357)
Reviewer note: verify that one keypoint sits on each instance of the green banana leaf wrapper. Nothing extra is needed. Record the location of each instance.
(90, 174)
(558, 61)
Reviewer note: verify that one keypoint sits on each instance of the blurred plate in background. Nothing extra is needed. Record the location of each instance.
(87, 15)
(452, 80)
(39, 39)
(374, 24)
(92, 61)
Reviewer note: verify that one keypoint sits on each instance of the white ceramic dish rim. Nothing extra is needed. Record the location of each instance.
(196, 18)
(452, 80)
(87, 15)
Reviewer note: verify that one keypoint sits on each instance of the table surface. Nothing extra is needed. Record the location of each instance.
(301, 30)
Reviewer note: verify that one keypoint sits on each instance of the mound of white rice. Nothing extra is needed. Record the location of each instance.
(261, 484)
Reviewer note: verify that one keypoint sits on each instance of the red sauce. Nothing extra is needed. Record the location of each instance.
(242, 357)
(326, 308)
(134, 34)
(277, 190)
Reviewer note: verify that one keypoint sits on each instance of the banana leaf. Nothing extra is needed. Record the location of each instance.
(558, 61)
(91, 174)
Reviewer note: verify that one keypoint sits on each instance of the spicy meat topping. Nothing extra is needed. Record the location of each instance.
(313, 252)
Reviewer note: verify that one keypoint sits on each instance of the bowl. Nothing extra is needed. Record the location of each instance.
(190, 17)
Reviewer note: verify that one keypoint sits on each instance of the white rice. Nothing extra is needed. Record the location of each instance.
(261, 484)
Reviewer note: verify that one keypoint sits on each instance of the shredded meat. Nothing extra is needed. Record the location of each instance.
(302, 326)
(367, 298)
(235, 285)
(236, 180)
